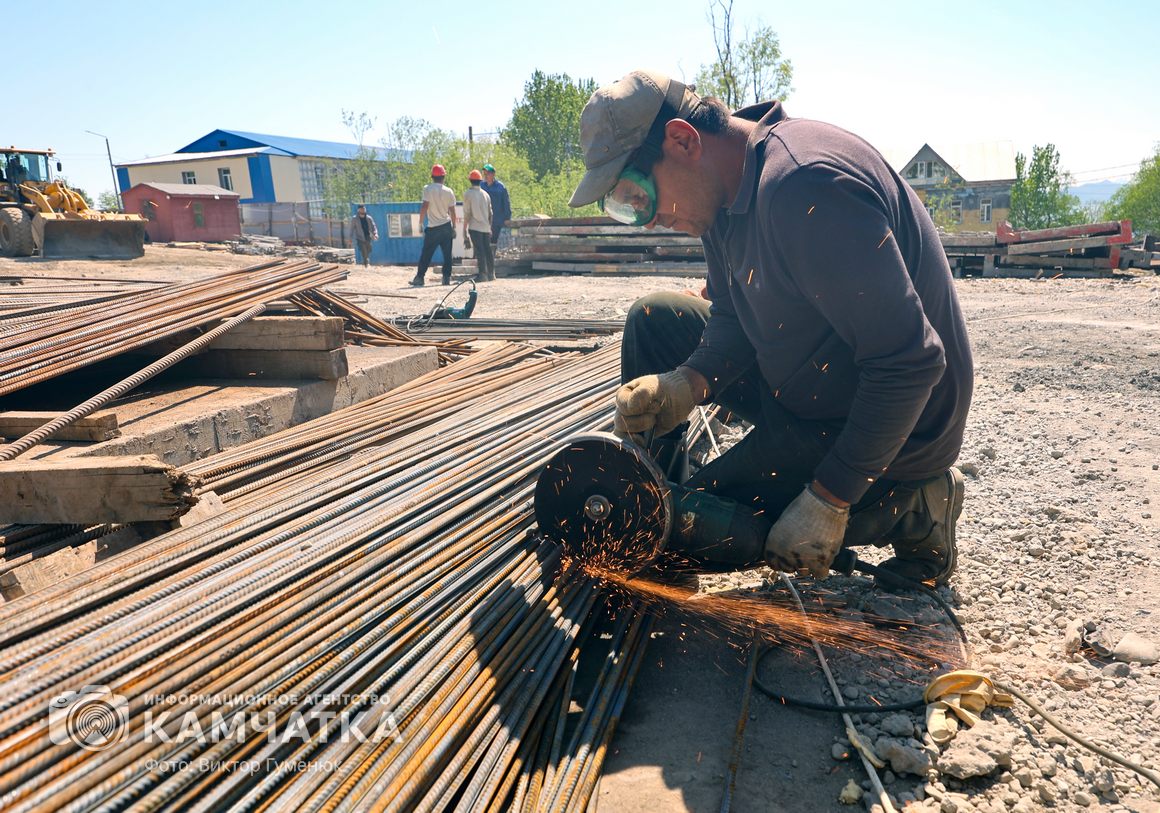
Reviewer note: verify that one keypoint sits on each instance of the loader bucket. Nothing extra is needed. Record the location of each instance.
(109, 238)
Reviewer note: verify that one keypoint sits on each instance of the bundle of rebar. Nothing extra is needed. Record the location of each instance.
(38, 347)
(363, 327)
(368, 625)
(514, 329)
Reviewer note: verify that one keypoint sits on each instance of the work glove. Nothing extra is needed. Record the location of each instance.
(653, 403)
(807, 535)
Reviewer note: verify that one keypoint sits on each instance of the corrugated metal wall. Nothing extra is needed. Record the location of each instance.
(400, 241)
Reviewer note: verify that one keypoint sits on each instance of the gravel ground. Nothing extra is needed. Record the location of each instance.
(1058, 582)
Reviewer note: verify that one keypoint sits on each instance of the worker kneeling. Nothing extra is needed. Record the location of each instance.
(832, 323)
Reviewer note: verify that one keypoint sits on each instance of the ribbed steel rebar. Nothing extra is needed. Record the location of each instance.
(42, 433)
(64, 340)
(379, 552)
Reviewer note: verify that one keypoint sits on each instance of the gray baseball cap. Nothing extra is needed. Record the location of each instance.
(616, 121)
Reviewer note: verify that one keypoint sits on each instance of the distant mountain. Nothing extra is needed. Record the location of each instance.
(1096, 192)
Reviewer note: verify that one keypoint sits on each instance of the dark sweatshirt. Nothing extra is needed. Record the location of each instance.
(828, 272)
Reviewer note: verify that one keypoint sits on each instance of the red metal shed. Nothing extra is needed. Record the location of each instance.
(186, 212)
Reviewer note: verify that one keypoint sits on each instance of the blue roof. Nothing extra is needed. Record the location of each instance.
(237, 139)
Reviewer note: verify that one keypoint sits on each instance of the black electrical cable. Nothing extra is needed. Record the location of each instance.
(898, 581)
(886, 575)
(423, 321)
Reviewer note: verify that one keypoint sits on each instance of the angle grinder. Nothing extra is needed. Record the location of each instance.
(604, 499)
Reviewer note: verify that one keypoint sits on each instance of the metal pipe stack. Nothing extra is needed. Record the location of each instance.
(368, 625)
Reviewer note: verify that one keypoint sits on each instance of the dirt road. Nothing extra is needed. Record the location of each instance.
(1061, 530)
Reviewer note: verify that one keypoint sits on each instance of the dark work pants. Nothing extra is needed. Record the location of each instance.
(771, 465)
(436, 237)
(364, 247)
(484, 262)
(495, 233)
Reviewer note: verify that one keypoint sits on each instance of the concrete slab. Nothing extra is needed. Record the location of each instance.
(202, 417)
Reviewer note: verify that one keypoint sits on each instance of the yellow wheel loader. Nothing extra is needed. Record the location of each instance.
(39, 215)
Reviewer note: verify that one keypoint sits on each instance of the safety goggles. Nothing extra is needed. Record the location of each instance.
(633, 201)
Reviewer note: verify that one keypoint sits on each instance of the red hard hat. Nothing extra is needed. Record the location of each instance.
(474, 175)
(438, 171)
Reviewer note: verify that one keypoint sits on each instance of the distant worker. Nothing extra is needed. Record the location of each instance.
(501, 205)
(365, 232)
(16, 171)
(439, 208)
(477, 213)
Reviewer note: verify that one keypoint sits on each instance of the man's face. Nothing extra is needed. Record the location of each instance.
(684, 193)
(361, 211)
(489, 175)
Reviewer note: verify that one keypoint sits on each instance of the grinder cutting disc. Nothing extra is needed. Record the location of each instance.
(606, 501)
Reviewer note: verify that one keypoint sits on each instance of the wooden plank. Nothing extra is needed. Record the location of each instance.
(1055, 262)
(137, 488)
(46, 571)
(1052, 246)
(1133, 258)
(592, 243)
(697, 251)
(284, 333)
(588, 256)
(563, 221)
(209, 505)
(967, 241)
(94, 428)
(600, 230)
(627, 269)
(329, 365)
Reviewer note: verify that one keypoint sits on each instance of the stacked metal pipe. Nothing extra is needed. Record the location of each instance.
(368, 625)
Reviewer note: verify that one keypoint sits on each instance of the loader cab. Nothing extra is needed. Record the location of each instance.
(25, 167)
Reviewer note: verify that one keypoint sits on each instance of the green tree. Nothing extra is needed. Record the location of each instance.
(545, 123)
(108, 201)
(365, 177)
(745, 72)
(1139, 199)
(1039, 198)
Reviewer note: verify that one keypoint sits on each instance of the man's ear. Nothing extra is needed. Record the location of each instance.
(683, 139)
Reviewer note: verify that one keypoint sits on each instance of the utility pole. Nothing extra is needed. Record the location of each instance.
(470, 146)
(112, 169)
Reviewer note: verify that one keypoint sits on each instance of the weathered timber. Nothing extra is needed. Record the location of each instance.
(1049, 263)
(1052, 246)
(94, 428)
(284, 333)
(697, 251)
(600, 230)
(588, 256)
(594, 243)
(328, 365)
(690, 269)
(47, 570)
(90, 490)
(562, 221)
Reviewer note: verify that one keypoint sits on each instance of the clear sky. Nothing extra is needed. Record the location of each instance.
(153, 76)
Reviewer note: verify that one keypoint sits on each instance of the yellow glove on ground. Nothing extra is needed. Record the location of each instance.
(656, 403)
(963, 694)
